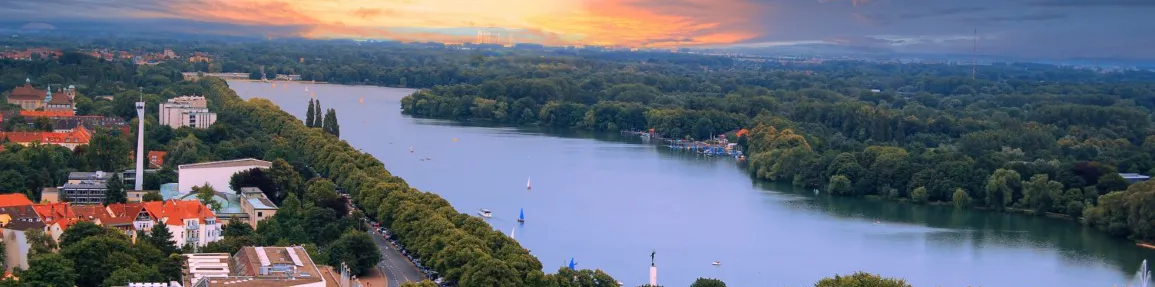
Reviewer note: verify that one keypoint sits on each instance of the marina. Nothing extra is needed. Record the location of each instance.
(717, 146)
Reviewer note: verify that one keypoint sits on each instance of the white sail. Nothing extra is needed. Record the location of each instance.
(410, 148)
(512, 232)
(529, 183)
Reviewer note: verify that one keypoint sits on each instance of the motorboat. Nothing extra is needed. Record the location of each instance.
(716, 263)
(485, 213)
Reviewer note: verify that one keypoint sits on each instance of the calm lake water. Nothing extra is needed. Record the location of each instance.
(608, 202)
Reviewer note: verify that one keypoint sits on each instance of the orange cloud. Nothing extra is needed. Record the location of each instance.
(636, 23)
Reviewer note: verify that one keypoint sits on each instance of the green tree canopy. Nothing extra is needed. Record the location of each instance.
(708, 282)
(115, 192)
(861, 279)
(49, 270)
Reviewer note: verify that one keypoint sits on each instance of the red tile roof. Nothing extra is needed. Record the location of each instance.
(27, 92)
(64, 224)
(14, 199)
(53, 212)
(61, 98)
(91, 212)
(48, 114)
(177, 211)
(155, 158)
(79, 135)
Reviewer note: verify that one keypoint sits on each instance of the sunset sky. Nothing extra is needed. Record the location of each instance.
(1056, 28)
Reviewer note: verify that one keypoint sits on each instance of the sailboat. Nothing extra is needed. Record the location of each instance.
(410, 148)
(512, 233)
(529, 184)
(306, 88)
(362, 101)
(521, 216)
(572, 265)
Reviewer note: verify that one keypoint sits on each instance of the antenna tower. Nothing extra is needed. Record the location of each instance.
(974, 54)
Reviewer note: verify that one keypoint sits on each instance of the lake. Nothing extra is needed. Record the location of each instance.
(608, 201)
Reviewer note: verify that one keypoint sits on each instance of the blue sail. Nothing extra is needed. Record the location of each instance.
(572, 265)
(522, 215)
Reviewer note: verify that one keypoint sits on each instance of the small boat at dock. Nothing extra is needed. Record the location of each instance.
(485, 213)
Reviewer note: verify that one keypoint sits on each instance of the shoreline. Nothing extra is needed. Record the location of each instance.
(1005, 211)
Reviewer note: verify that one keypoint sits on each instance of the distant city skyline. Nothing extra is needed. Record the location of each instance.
(1036, 28)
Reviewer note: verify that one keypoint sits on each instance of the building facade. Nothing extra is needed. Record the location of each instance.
(64, 100)
(256, 205)
(186, 111)
(17, 216)
(71, 139)
(215, 174)
(27, 96)
(189, 221)
(85, 187)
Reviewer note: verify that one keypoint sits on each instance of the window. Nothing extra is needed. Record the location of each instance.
(260, 214)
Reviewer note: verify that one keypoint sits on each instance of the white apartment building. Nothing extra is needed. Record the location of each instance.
(189, 221)
(186, 111)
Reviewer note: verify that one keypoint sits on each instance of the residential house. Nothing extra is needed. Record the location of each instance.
(17, 216)
(129, 218)
(189, 221)
(97, 214)
(186, 111)
(215, 174)
(155, 159)
(57, 217)
(255, 266)
(256, 205)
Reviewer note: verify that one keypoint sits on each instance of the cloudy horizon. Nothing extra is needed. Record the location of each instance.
(1039, 28)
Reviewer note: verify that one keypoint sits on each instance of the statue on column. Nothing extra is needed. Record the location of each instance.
(652, 257)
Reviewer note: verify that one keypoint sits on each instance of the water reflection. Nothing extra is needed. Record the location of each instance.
(1076, 244)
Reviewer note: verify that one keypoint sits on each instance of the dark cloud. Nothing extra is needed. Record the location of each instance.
(883, 19)
(994, 20)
